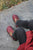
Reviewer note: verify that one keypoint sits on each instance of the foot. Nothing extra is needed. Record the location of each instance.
(10, 30)
(15, 18)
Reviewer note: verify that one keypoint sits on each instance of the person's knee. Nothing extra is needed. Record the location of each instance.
(20, 30)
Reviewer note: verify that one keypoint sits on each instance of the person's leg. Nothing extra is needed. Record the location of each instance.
(22, 23)
(20, 35)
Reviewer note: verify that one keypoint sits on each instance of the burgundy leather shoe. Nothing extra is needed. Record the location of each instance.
(15, 18)
(10, 30)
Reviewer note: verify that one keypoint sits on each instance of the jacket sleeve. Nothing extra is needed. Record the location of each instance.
(29, 41)
(21, 47)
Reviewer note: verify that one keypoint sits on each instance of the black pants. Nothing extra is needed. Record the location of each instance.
(20, 33)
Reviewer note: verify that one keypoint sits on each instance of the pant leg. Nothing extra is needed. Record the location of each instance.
(20, 35)
(22, 23)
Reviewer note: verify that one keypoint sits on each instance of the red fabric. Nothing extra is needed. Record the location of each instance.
(29, 42)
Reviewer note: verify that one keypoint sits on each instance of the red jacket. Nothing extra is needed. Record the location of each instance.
(28, 45)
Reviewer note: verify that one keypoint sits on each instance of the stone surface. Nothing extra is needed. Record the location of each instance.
(24, 11)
